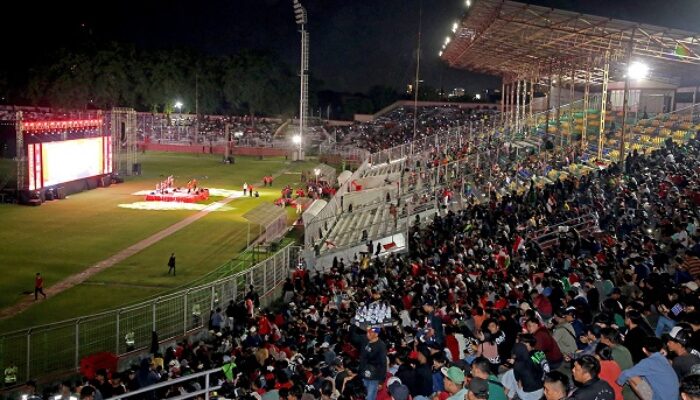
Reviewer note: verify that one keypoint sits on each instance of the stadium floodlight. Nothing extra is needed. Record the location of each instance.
(299, 13)
(637, 70)
(296, 139)
(447, 40)
(469, 3)
(454, 27)
(477, 96)
(440, 53)
(178, 105)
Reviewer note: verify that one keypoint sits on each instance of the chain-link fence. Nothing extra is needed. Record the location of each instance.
(59, 347)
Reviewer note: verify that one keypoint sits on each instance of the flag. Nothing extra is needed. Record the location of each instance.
(681, 50)
(677, 309)
(518, 244)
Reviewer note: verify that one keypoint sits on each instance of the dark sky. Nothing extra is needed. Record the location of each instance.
(354, 43)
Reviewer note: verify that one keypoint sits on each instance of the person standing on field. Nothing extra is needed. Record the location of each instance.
(171, 264)
(38, 286)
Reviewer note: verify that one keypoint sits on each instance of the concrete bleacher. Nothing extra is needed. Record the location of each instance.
(349, 229)
(393, 167)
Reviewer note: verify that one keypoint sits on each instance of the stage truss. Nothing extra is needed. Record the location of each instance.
(122, 125)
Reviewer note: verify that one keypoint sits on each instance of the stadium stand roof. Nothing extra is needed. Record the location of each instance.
(516, 40)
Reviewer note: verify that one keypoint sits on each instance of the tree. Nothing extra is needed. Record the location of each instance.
(382, 96)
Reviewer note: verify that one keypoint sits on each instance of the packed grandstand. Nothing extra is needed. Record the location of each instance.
(475, 253)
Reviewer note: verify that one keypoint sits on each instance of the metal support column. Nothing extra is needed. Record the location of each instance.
(20, 153)
(153, 312)
(116, 332)
(503, 103)
(532, 98)
(558, 112)
(185, 314)
(572, 98)
(512, 106)
(584, 123)
(517, 109)
(604, 103)
(29, 354)
(549, 101)
(77, 345)
(625, 100)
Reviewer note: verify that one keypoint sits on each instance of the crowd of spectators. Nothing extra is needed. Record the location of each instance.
(481, 311)
(396, 127)
(244, 130)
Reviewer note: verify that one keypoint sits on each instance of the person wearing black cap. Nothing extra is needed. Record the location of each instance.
(690, 387)
(478, 389)
(423, 385)
(434, 322)
(398, 391)
(677, 342)
(373, 362)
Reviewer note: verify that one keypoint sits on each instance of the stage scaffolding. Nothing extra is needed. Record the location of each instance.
(122, 127)
(554, 48)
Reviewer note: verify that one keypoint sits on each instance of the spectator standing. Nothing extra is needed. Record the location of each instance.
(373, 362)
(38, 286)
(171, 264)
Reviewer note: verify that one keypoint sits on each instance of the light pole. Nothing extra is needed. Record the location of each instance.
(297, 140)
(301, 20)
(317, 172)
(178, 106)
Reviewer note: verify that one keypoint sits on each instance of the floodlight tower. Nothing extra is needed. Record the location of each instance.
(301, 20)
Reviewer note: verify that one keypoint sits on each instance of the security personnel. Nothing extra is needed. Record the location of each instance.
(11, 375)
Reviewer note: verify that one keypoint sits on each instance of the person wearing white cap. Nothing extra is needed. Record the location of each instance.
(692, 286)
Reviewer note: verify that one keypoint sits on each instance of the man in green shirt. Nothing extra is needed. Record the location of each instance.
(481, 368)
(228, 367)
(620, 354)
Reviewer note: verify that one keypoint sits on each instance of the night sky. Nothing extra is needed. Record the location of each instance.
(354, 43)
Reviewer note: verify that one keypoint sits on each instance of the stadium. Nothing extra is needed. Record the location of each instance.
(541, 243)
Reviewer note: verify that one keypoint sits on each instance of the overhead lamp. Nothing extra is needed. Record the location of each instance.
(454, 27)
(469, 3)
(637, 70)
(447, 40)
(296, 139)
(440, 53)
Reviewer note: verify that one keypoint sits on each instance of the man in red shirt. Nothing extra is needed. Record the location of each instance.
(38, 286)
(545, 342)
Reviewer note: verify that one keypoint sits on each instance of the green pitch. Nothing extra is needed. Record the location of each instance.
(62, 238)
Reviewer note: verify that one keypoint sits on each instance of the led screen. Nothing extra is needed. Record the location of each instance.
(69, 160)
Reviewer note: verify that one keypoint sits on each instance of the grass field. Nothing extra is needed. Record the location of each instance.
(61, 238)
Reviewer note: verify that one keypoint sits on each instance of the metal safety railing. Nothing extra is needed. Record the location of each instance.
(59, 347)
(207, 383)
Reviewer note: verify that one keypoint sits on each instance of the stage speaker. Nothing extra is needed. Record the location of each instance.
(106, 181)
(61, 192)
(49, 194)
(30, 197)
(136, 169)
